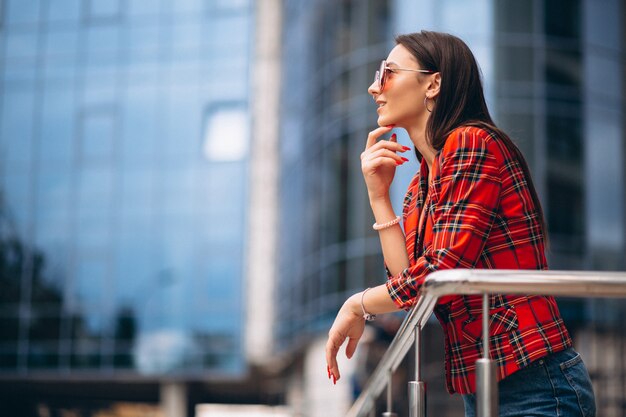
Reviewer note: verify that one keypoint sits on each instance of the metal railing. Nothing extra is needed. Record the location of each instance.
(475, 282)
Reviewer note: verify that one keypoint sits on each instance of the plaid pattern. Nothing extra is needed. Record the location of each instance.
(478, 213)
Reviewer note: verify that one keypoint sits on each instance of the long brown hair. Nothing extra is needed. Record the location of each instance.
(461, 101)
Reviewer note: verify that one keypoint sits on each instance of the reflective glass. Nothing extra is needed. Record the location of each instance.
(144, 43)
(95, 191)
(22, 11)
(19, 74)
(187, 39)
(233, 28)
(188, 6)
(90, 288)
(102, 45)
(137, 196)
(21, 44)
(229, 5)
(122, 253)
(140, 7)
(183, 115)
(54, 189)
(103, 8)
(17, 127)
(178, 191)
(99, 87)
(58, 124)
(135, 256)
(515, 63)
(94, 231)
(64, 10)
(139, 127)
(17, 187)
(225, 133)
(98, 131)
(62, 43)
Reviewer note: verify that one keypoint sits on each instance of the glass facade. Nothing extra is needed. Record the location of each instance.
(123, 177)
(328, 248)
(539, 81)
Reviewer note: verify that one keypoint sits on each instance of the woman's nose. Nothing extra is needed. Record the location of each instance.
(373, 89)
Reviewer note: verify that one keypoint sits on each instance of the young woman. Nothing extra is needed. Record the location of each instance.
(472, 204)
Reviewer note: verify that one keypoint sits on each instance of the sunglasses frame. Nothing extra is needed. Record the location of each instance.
(381, 75)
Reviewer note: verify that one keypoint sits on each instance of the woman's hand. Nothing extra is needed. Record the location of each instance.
(349, 324)
(379, 162)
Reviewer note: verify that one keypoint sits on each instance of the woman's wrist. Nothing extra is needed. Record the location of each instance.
(353, 304)
(379, 199)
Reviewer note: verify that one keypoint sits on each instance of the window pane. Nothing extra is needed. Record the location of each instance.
(64, 10)
(62, 43)
(22, 11)
(57, 130)
(17, 135)
(98, 135)
(90, 281)
(225, 133)
(103, 9)
(21, 45)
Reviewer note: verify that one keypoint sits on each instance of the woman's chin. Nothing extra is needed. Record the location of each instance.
(384, 121)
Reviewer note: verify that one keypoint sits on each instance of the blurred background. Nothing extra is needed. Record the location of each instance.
(182, 210)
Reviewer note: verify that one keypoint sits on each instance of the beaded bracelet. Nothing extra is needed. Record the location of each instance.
(390, 223)
(367, 316)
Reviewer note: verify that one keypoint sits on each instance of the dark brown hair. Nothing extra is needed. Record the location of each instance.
(461, 101)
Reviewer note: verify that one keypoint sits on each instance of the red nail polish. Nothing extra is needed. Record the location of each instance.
(406, 148)
(390, 126)
(334, 380)
(328, 369)
(399, 163)
(394, 136)
(404, 159)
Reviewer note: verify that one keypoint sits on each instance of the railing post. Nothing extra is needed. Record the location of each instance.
(389, 413)
(486, 381)
(417, 389)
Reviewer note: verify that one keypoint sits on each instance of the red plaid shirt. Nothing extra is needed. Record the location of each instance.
(478, 213)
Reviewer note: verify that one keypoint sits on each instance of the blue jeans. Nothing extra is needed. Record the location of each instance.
(556, 385)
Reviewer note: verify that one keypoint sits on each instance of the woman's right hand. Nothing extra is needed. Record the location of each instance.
(379, 162)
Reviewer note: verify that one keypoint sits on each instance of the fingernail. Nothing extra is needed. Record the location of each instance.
(404, 159)
(394, 136)
(328, 369)
(390, 126)
(399, 163)
(334, 380)
(406, 148)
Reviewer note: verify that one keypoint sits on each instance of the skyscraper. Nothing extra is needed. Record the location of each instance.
(124, 154)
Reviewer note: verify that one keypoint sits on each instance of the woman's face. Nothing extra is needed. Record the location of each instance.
(401, 102)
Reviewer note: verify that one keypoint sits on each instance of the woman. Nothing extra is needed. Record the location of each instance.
(471, 205)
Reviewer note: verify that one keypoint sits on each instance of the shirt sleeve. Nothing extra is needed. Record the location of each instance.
(389, 275)
(465, 195)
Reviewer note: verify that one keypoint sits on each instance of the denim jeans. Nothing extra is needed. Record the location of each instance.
(556, 385)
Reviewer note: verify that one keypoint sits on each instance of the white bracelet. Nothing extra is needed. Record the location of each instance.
(367, 316)
(390, 223)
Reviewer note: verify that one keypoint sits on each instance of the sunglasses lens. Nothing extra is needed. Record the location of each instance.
(383, 74)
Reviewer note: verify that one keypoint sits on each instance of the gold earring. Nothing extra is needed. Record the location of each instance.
(426, 104)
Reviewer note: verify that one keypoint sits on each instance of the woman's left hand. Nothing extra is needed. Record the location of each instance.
(348, 325)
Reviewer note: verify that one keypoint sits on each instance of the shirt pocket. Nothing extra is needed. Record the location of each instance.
(501, 321)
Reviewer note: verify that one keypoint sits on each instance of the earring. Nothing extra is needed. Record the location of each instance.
(426, 104)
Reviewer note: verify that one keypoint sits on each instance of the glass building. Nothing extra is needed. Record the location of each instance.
(554, 79)
(123, 175)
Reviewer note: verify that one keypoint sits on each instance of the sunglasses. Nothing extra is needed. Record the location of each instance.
(381, 75)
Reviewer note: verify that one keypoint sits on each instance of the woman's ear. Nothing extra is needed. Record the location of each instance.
(434, 85)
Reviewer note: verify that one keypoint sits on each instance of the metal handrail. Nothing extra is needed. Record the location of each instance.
(586, 284)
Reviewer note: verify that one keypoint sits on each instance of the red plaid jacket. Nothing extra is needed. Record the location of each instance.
(478, 213)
